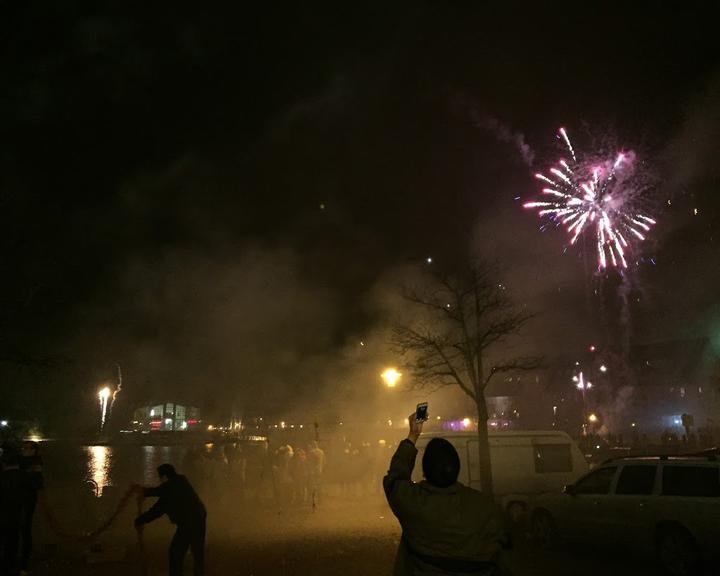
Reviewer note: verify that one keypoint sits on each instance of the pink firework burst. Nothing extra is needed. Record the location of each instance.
(593, 195)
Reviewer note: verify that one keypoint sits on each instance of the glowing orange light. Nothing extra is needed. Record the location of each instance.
(391, 377)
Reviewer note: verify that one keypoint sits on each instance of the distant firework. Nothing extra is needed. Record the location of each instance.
(583, 194)
(103, 396)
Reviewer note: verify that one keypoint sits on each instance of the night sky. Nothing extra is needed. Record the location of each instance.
(220, 197)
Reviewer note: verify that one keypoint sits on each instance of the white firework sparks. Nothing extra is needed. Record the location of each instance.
(103, 395)
(589, 195)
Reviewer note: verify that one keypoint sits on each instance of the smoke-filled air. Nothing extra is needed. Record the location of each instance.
(321, 289)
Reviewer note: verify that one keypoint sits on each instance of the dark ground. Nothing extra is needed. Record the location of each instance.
(345, 536)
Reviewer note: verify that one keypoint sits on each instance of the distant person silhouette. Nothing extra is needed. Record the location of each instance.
(31, 467)
(447, 528)
(177, 498)
(315, 466)
(11, 504)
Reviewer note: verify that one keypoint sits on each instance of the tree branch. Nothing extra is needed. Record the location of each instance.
(462, 317)
(520, 364)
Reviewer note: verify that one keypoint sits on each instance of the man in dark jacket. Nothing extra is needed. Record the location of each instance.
(448, 528)
(11, 498)
(31, 467)
(177, 498)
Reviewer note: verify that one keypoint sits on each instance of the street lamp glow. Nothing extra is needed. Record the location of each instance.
(592, 418)
(391, 377)
(603, 368)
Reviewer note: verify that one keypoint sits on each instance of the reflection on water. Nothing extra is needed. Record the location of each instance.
(116, 466)
(153, 456)
(98, 470)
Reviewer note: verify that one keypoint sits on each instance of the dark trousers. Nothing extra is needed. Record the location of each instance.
(188, 536)
(9, 539)
(26, 534)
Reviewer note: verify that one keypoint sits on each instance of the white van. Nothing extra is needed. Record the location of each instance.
(525, 463)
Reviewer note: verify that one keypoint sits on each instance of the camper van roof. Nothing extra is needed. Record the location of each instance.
(495, 434)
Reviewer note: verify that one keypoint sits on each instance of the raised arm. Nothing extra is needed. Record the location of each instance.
(398, 482)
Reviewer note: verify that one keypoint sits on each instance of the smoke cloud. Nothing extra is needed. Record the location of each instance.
(504, 134)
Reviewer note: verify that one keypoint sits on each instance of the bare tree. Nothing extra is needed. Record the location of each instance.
(456, 339)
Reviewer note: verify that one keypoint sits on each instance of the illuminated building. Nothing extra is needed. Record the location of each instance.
(166, 417)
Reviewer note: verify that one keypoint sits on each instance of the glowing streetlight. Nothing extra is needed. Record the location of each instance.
(603, 368)
(592, 418)
(391, 377)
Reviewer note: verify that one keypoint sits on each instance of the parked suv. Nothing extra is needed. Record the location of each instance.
(670, 505)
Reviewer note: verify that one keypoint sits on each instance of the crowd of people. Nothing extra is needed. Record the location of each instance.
(291, 475)
(21, 480)
(447, 528)
(297, 474)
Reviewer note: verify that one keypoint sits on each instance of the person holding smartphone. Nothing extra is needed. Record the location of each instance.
(447, 528)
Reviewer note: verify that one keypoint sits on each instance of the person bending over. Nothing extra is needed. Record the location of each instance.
(177, 498)
(447, 528)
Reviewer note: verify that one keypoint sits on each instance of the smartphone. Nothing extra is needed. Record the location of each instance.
(421, 413)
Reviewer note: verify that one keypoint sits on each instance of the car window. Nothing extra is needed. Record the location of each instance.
(695, 481)
(597, 482)
(552, 458)
(636, 480)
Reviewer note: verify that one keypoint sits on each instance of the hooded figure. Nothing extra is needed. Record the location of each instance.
(448, 528)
